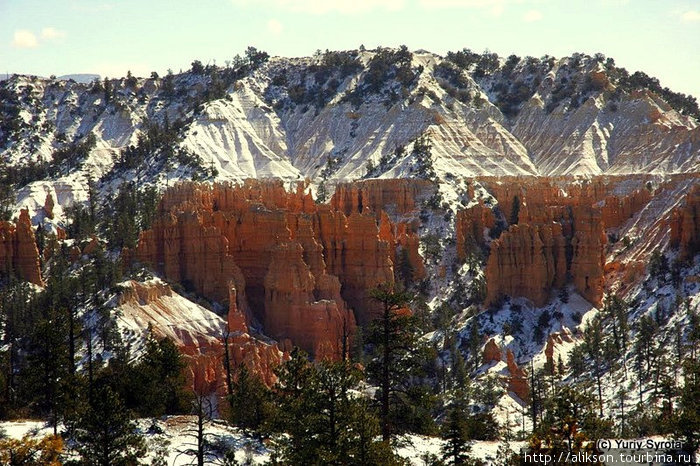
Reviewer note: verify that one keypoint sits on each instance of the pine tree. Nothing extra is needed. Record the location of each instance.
(161, 377)
(687, 424)
(455, 433)
(394, 340)
(250, 401)
(298, 416)
(106, 435)
(593, 346)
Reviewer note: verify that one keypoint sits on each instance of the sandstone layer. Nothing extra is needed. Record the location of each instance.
(19, 255)
(302, 271)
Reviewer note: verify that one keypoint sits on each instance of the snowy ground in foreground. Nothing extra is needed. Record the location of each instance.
(177, 437)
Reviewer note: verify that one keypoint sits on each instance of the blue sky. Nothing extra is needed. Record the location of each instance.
(109, 37)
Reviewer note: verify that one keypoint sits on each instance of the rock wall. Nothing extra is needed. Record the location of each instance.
(396, 196)
(531, 260)
(618, 210)
(526, 261)
(588, 263)
(685, 225)
(291, 311)
(301, 271)
(18, 251)
(469, 228)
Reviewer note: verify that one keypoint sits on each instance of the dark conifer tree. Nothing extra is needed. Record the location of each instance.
(105, 434)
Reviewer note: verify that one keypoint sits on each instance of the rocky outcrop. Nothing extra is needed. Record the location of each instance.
(198, 333)
(516, 265)
(301, 272)
(617, 210)
(395, 196)
(492, 352)
(357, 255)
(470, 226)
(48, 206)
(588, 263)
(19, 255)
(554, 342)
(323, 328)
(685, 225)
(526, 261)
(517, 381)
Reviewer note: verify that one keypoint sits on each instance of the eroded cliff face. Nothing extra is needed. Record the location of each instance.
(526, 261)
(302, 272)
(19, 255)
(558, 232)
(396, 196)
(201, 335)
(685, 225)
(470, 225)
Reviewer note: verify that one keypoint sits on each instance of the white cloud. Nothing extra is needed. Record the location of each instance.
(51, 33)
(532, 16)
(274, 27)
(690, 16)
(24, 39)
(319, 7)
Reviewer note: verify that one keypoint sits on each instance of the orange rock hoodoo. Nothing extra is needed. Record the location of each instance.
(517, 382)
(396, 196)
(560, 233)
(492, 352)
(18, 252)
(685, 225)
(49, 205)
(527, 261)
(300, 270)
(469, 228)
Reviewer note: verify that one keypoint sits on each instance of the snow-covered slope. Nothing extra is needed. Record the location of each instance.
(341, 115)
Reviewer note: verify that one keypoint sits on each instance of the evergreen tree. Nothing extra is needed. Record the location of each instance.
(161, 378)
(394, 340)
(250, 401)
(570, 422)
(593, 347)
(687, 423)
(297, 392)
(106, 435)
(455, 433)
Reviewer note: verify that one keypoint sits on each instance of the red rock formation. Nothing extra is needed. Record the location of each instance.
(587, 266)
(322, 328)
(48, 206)
(396, 196)
(517, 382)
(410, 242)
(199, 338)
(294, 265)
(356, 254)
(92, 245)
(554, 340)
(685, 225)
(526, 261)
(492, 352)
(18, 252)
(469, 228)
(616, 211)
(574, 206)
